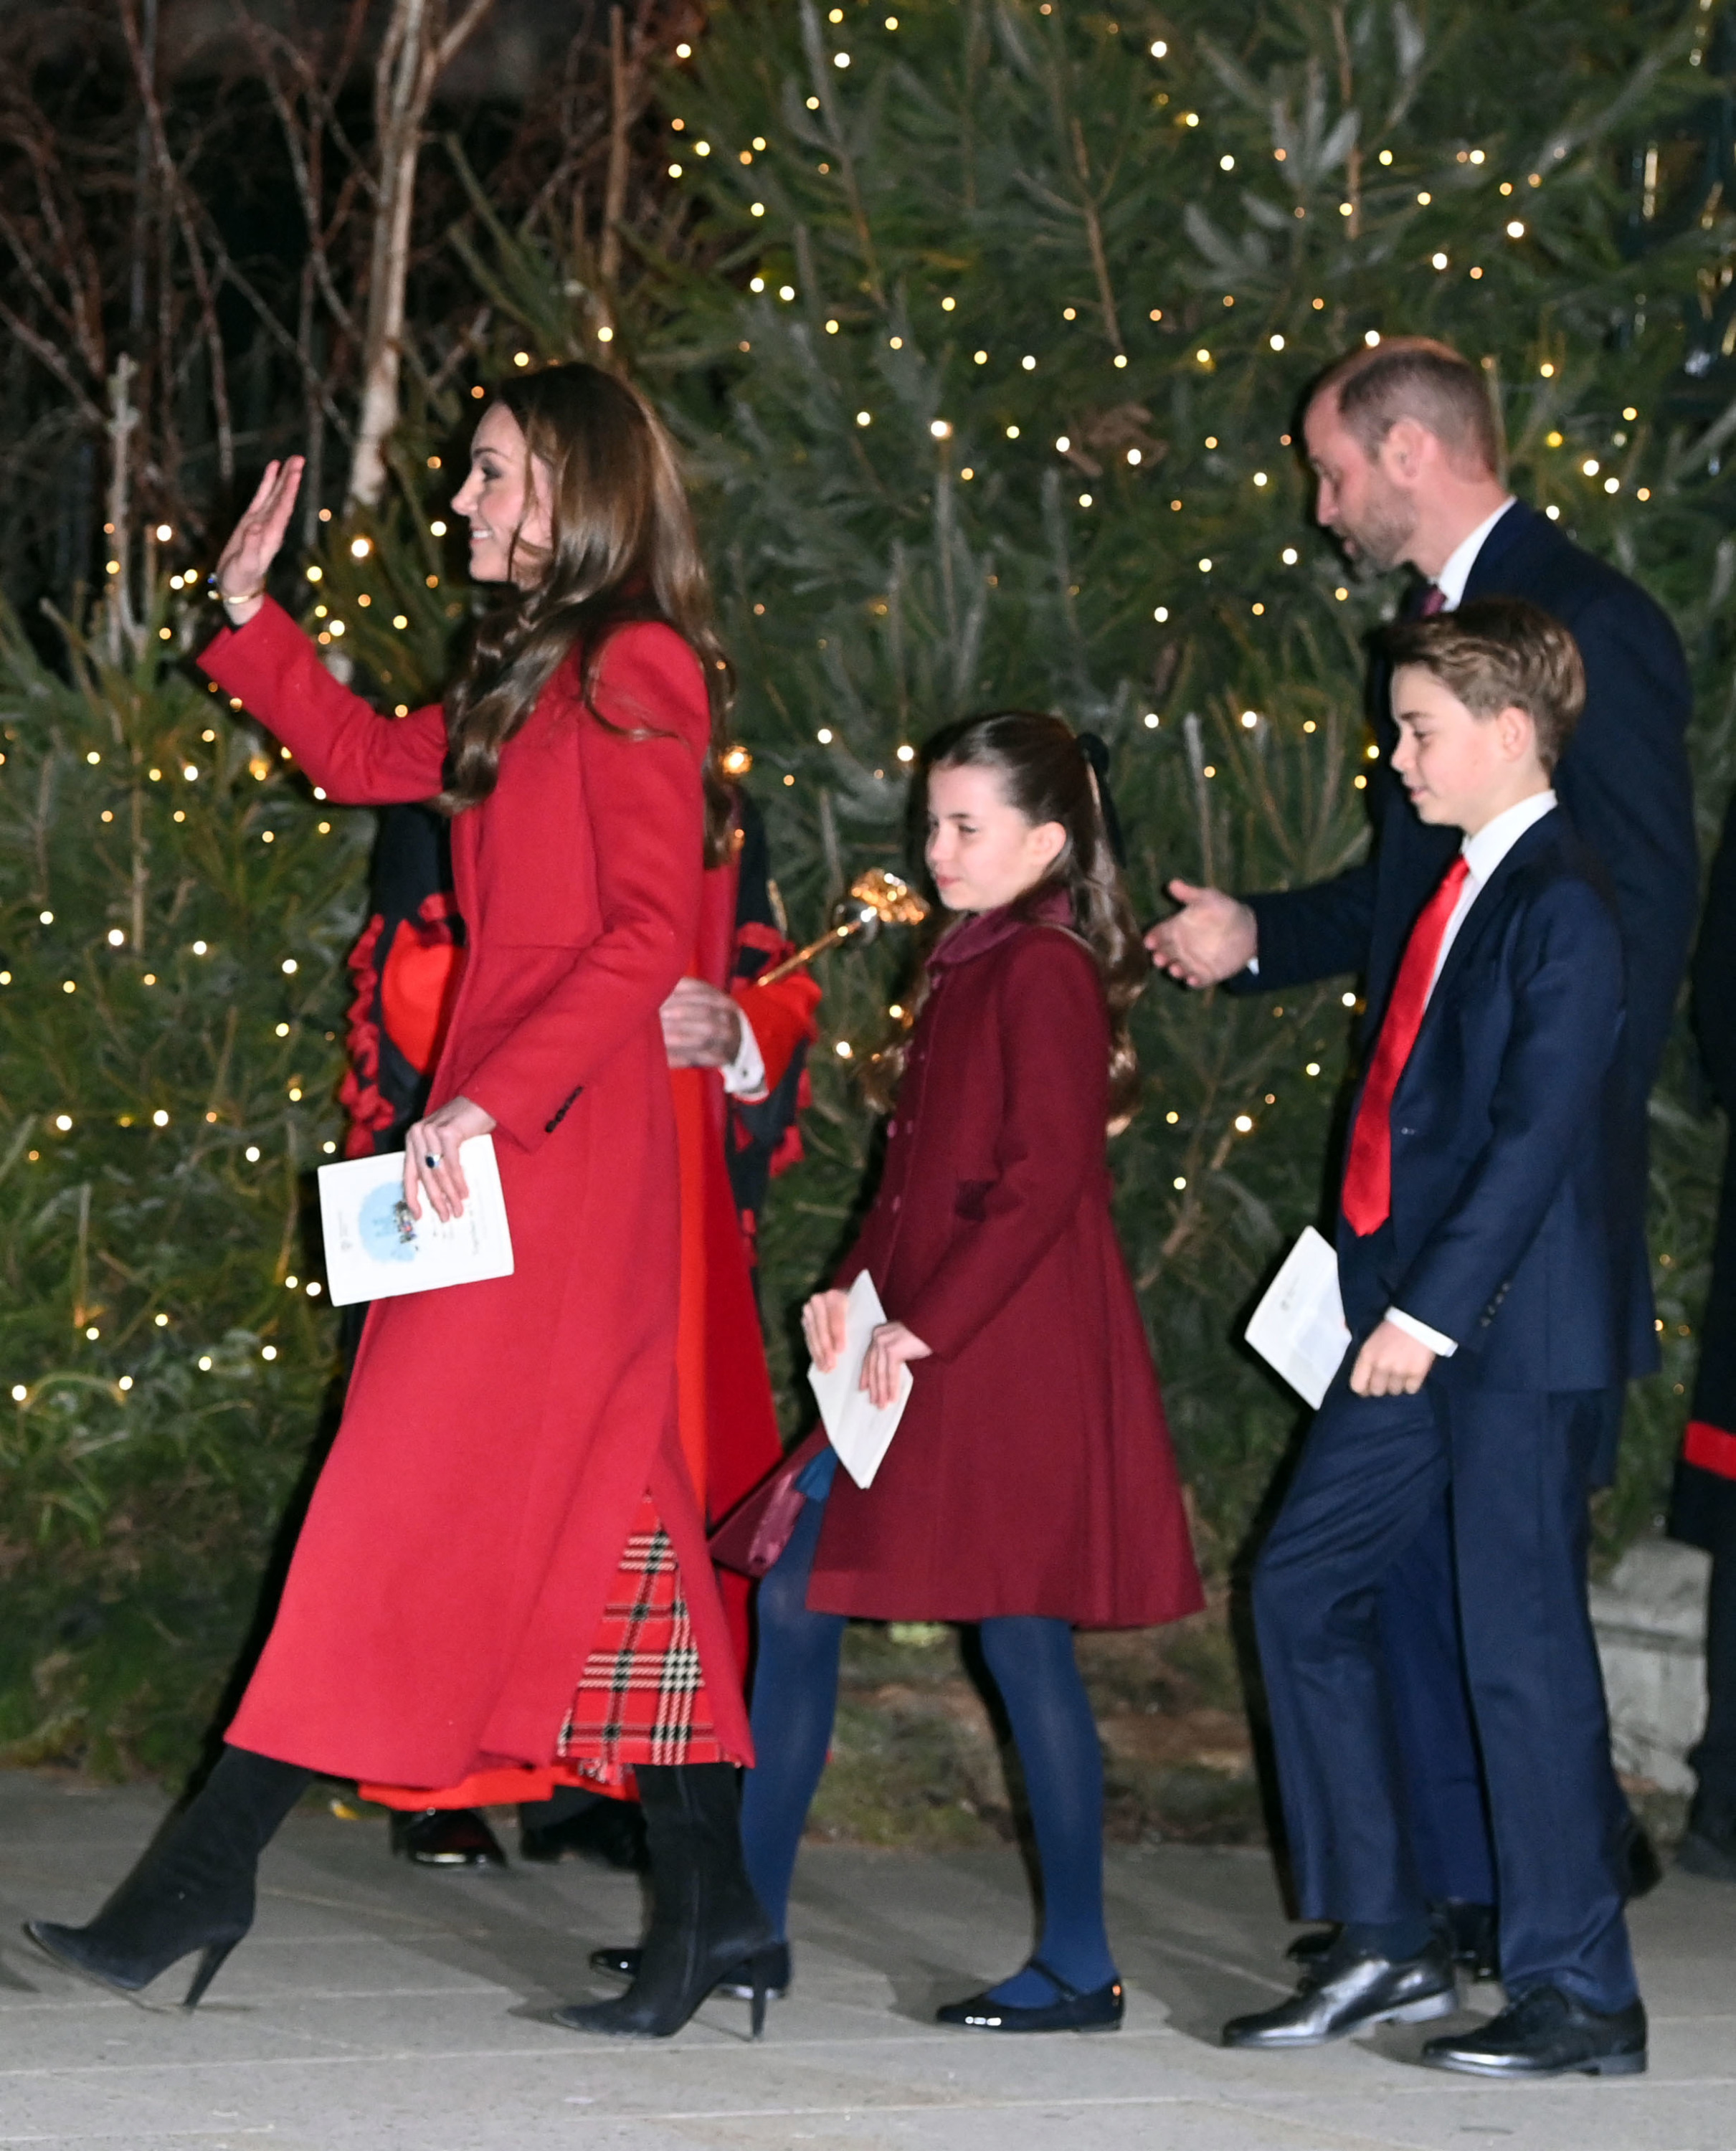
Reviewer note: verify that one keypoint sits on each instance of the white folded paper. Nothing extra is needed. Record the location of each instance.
(1298, 1327)
(374, 1249)
(860, 1430)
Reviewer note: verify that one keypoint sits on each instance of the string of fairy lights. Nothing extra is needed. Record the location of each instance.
(1586, 469)
(132, 781)
(702, 157)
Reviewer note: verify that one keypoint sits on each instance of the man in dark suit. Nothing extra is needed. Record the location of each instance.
(1489, 1309)
(1404, 445)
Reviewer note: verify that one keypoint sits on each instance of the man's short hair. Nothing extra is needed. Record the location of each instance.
(1497, 653)
(1415, 377)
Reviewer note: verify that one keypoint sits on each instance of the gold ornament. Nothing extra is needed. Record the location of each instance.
(876, 898)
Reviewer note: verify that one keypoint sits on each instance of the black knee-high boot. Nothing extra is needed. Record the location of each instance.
(194, 1888)
(705, 1920)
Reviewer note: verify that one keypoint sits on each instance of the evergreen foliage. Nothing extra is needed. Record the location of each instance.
(987, 353)
(1004, 416)
(175, 908)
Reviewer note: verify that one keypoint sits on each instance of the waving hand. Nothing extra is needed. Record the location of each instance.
(247, 557)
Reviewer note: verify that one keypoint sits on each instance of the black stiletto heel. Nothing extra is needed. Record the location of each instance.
(192, 1891)
(706, 1923)
(79, 1950)
(209, 1965)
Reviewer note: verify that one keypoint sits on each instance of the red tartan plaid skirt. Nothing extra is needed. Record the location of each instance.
(642, 1697)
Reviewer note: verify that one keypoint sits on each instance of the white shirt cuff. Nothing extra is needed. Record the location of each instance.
(745, 1077)
(1443, 1348)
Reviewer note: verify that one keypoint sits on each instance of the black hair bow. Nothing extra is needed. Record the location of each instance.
(1095, 751)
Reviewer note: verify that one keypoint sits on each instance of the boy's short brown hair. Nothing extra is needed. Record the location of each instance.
(1500, 653)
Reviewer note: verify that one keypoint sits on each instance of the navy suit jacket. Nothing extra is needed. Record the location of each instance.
(1501, 1235)
(1623, 781)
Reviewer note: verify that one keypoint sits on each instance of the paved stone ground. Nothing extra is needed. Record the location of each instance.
(377, 2006)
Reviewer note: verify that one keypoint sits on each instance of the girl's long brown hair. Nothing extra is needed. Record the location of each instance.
(622, 547)
(1045, 772)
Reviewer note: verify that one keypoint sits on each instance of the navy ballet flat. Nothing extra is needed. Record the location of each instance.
(1072, 2010)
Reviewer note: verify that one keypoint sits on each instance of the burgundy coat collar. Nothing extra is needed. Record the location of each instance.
(985, 930)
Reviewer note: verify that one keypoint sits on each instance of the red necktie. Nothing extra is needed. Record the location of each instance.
(1434, 601)
(1368, 1169)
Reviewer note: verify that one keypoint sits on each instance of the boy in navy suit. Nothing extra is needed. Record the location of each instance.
(1490, 1308)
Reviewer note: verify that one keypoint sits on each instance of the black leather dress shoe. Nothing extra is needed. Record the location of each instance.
(1473, 1935)
(1469, 1930)
(773, 1965)
(609, 1832)
(446, 1837)
(1547, 2033)
(1345, 1993)
(1074, 2009)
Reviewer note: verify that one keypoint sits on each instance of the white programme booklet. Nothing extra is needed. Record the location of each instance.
(374, 1249)
(1298, 1327)
(860, 1430)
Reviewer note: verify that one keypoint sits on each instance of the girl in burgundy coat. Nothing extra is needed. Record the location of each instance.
(504, 1561)
(1031, 1487)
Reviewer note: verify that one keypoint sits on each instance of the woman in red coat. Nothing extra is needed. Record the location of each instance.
(504, 1562)
(1031, 1487)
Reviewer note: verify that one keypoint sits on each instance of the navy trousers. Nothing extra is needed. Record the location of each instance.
(1420, 1635)
(1451, 1839)
(1497, 1484)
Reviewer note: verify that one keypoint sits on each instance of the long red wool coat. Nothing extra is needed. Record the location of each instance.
(499, 1437)
(1032, 1471)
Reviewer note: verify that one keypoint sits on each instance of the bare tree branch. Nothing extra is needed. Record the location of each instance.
(39, 347)
(415, 52)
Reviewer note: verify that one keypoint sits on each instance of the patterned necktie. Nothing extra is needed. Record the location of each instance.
(1368, 1169)
(1434, 601)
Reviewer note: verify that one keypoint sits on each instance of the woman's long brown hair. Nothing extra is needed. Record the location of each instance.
(1046, 773)
(622, 547)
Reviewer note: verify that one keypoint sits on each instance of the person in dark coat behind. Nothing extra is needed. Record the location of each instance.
(1703, 1510)
(1030, 1486)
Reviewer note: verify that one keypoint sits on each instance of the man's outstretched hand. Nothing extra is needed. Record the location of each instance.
(1208, 940)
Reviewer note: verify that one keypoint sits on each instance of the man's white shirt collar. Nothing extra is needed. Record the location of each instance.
(1456, 574)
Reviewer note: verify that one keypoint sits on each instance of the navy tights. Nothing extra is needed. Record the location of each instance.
(795, 1695)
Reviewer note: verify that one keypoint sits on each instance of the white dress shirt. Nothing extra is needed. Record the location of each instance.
(1451, 583)
(1456, 574)
(1482, 854)
(745, 1077)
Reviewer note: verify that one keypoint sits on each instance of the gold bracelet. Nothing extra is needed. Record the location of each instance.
(241, 597)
